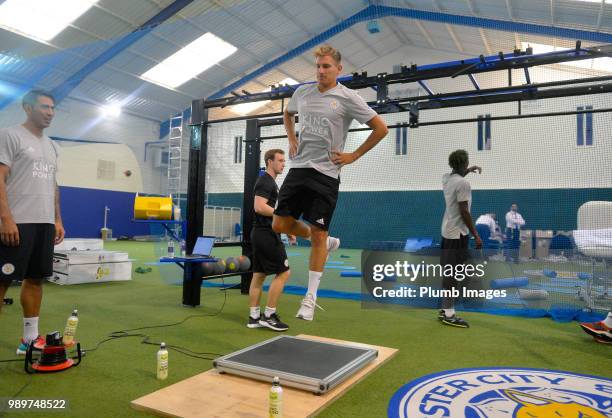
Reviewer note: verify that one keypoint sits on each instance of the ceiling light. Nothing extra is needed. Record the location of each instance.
(111, 111)
(41, 20)
(190, 61)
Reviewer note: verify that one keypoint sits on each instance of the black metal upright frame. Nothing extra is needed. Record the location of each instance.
(200, 122)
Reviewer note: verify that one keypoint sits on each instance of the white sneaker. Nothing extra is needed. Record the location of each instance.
(306, 311)
(333, 244)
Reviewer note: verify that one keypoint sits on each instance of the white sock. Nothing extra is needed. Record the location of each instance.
(254, 312)
(30, 329)
(608, 320)
(314, 278)
(449, 312)
(269, 311)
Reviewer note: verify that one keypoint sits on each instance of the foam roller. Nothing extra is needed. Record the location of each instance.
(584, 276)
(350, 274)
(533, 294)
(509, 282)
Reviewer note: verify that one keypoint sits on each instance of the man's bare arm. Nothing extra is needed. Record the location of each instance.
(379, 131)
(58, 212)
(9, 234)
(289, 122)
(59, 225)
(467, 219)
(262, 207)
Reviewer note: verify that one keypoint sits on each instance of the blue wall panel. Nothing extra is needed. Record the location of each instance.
(362, 217)
(83, 213)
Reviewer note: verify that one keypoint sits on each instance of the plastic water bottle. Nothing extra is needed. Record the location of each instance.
(162, 362)
(170, 248)
(183, 248)
(71, 326)
(276, 399)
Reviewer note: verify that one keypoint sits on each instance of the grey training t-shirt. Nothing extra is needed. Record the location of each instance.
(324, 121)
(30, 185)
(456, 189)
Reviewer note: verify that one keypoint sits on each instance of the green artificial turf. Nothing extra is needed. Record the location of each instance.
(124, 369)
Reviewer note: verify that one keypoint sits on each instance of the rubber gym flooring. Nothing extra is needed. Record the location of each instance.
(123, 369)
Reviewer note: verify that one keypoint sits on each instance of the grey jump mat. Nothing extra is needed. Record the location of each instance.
(303, 363)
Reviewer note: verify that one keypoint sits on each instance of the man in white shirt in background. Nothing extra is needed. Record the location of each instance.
(514, 220)
(514, 223)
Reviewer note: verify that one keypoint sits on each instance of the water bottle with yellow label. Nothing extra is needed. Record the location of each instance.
(276, 399)
(162, 362)
(70, 330)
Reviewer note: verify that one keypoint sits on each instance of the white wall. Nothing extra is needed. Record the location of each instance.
(100, 166)
(77, 120)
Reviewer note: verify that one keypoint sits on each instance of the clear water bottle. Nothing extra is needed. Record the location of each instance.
(170, 248)
(183, 248)
(162, 362)
(71, 326)
(276, 399)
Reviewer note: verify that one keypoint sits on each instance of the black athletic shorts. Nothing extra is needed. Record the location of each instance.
(454, 252)
(33, 257)
(309, 194)
(269, 256)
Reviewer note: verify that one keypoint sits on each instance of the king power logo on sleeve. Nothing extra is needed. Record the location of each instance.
(503, 392)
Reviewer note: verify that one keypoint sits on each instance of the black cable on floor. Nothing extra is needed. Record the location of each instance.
(126, 333)
(146, 339)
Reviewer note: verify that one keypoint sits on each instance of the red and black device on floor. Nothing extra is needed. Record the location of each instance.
(53, 357)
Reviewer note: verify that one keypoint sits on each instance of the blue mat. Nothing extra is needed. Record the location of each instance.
(510, 299)
(550, 288)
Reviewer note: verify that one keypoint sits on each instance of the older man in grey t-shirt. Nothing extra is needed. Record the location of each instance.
(310, 190)
(30, 220)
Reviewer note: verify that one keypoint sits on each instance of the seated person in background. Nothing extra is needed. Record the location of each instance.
(489, 219)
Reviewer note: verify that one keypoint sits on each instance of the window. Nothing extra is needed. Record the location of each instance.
(401, 140)
(584, 127)
(484, 132)
(237, 150)
(165, 157)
